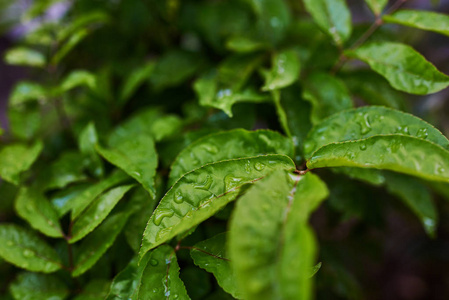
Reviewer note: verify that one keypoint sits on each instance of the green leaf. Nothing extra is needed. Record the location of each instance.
(377, 6)
(94, 214)
(417, 197)
(87, 140)
(33, 286)
(26, 250)
(97, 289)
(90, 194)
(284, 70)
(211, 256)
(162, 268)
(22, 56)
(403, 154)
(272, 249)
(404, 68)
(137, 157)
(369, 121)
(332, 16)
(327, 94)
(426, 20)
(281, 112)
(374, 177)
(225, 145)
(24, 121)
(17, 158)
(27, 91)
(80, 21)
(62, 200)
(68, 46)
(78, 78)
(97, 243)
(32, 206)
(134, 80)
(201, 193)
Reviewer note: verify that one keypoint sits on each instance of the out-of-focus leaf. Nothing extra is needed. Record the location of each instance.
(17, 158)
(86, 143)
(134, 80)
(78, 78)
(327, 94)
(426, 20)
(26, 250)
(284, 70)
(93, 215)
(225, 145)
(404, 68)
(197, 282)
(26, 91)
(377, 6)
(137, 157)
(33, 207)
(244, 44)
(201, 193)
(62, 200)
(74, 40)
(97, 289)
(374, 177)
(82, 21)
(97, 243)
(332, 16)
(25, 57)
(162, 267)
(211, 256)
(281, 112)
(35, 286)
(24, 121)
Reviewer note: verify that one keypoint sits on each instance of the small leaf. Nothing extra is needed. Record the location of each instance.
(96, 289)
(404, 68)
(134, 80)
(25, 121)
(33, 286)
(327, 94)
(87, 140)
(93, 215)
(162, 267)
(377, 6)
(33, 207)
(68, 46)
(26, 250)
(211, 256)
(403, 154)
(284, 70)
(22, 56)
(79, 78)
(417, 197)
(272, 249)
(137, 157)
(17, 158)
(225, 145)
(26, 91)
(332, 16)
(201, 193)
(62, 200)
(368, 121)
(425, 20)
(97, 243)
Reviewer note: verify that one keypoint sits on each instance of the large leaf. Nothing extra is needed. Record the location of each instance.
(403, 67)
(211, 256)
(284, 70)
(231, 144)
(377, 6)
(403, 154)
(137, 157)
(332, 16)
(34, 286)
(93, 215)
(79, 78)
(369, 121)
(96, 244)
(32, 206)
(426, 20)
(25, 57)
(16, 158)
(162, 268)
(272, 249)
(327, 94)
(26, 250)
(201, 193)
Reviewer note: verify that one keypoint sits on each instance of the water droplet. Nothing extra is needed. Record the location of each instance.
(9, 243)
(259, 166)
(137, 174)
(162, 234)
(248, 167)
(439, 169)
(403, 130)
(161, 214)
(363, 146)
(395, 146)
(178, 197)
(155, 290)
(175, 296)
(231, 181)
(205, 183)
(365, 126)
(223, 93)
(153, 262)
(422, 133)
(210, 148)
(28, 253)
(350, 155)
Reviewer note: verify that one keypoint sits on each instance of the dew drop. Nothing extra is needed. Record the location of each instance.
(259, 166)
(350, 155)
(403, 130)
(153, 262)
(178, 197)
(175, 296)
(363, 146)
(422, 133)
(161, 214)
(210, 148)
(231, 181)
(137, 174)
(364, 123)
(28, 253)
(155, 290)
(205, 184)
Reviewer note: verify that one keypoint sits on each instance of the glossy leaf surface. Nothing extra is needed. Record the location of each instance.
(228, 145)
(160, 279)
(34, 286)
(211, 256)
(403, 67)
(426, 20)
(403, 154)
(284, 70)
(137, 157)
(201, 193)
(368, 121)
(79, 78)
(26, 250)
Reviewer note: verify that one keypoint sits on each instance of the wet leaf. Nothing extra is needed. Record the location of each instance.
(404, 68)
(426, 20)
(34, 286)
(201, 193)
(284, 70)
(22, 56)
(26, 250)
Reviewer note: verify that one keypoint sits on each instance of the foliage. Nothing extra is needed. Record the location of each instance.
(178, 149)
